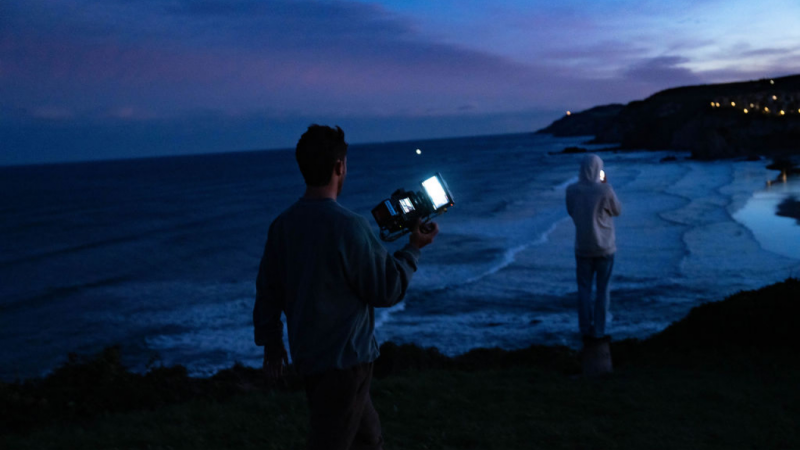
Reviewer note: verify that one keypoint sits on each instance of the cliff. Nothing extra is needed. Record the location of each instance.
(585, 123)
(712, 121)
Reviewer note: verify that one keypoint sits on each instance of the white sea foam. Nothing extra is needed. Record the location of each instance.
(384, 314)
(501, 272)
(440, 276)
(563, 186)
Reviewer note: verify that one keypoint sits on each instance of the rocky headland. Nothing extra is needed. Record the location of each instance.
(584, 123)
(712, 121)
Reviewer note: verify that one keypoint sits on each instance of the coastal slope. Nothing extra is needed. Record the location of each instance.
(723, 377)
(714, 121)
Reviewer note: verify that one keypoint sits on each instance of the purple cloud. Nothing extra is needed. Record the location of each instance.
(662, 71)
(124, 66)
(245, 54)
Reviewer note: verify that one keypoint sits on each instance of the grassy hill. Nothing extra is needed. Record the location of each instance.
(726, 376)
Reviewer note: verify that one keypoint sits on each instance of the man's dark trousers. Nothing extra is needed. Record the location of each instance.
(342, 415)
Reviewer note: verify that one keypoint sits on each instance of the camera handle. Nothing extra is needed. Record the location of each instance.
(391, 237)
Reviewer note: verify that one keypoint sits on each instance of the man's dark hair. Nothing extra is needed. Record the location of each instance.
(317, 152)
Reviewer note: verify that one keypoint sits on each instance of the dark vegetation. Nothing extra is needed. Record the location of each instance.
(570, 151)
(684, 119)
(789, 207)
(725, 376)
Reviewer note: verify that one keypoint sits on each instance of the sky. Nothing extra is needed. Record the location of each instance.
(106, 79)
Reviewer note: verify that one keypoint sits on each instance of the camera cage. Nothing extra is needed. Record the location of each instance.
(397, 214)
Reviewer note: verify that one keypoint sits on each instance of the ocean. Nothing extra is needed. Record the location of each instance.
(160, 255)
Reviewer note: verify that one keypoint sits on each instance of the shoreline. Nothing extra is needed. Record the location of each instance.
(170, 348)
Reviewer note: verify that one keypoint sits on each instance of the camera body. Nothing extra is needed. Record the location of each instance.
(397, 214)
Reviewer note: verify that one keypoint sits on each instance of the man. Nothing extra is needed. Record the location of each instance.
(592, 203)
(324, 268)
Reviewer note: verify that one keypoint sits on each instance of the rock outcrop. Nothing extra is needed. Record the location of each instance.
(712, 121)
(585, 123)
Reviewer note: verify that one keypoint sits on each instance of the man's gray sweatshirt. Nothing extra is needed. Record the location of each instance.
(325, 269)
(592, 205)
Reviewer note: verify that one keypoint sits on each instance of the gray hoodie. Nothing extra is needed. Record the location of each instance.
(592, 204)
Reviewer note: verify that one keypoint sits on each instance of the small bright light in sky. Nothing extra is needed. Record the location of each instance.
(419, 152)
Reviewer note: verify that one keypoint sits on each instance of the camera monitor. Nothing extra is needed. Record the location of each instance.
(406, 205)
(436, 192)
(398, 214)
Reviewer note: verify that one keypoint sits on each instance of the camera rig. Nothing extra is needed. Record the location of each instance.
(397, 214)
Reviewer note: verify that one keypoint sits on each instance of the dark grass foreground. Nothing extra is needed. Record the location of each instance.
(725, 377)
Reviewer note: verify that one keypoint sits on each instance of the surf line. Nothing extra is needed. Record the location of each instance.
(509, 256)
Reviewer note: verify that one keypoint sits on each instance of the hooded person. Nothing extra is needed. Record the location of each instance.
(592, 204)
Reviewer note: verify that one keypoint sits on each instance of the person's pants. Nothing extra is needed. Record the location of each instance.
(592, 314)
(341, 411)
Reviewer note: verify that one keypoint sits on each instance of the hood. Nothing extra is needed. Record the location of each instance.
(591, 165)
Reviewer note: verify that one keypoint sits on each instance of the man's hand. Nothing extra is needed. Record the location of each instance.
(273, 368)
(423, 234)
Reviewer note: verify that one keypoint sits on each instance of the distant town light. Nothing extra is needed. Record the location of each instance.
(751, 105)
(569, 113)
(771, 81)
(745, 110)
(713, 104)
(733, 103)
(774, 97)
(766, 109)
(782, 112)
(717, 104)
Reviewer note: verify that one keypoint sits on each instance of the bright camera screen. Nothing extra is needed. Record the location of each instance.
(435, 190)
(406, 204)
